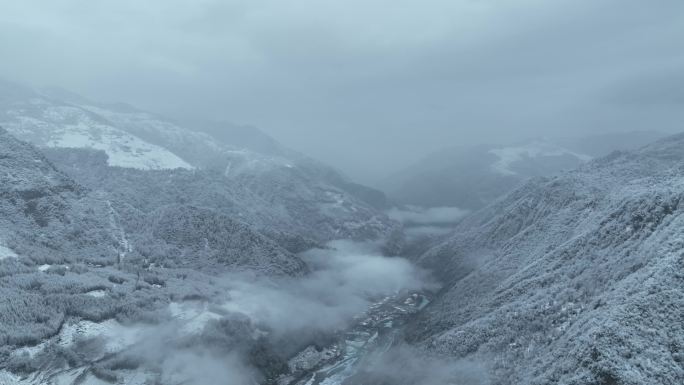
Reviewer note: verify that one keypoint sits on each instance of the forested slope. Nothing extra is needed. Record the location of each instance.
(574, 279)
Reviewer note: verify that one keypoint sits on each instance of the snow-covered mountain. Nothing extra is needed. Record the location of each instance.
(124, 285)
(48, 217)
(117, 224)
(123, 233)
(264, 184)
(47, 122)
(472, 177)
(77, 265)
(572, 279)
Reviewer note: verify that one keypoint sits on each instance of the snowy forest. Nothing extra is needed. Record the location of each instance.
(224, 192)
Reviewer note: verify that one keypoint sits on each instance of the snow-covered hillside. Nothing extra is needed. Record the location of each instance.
(473, 177)
(139, 282)
(131, 138)
(573, 279)
(49, 123)
(269, 186)
(48, 217)
(78, 268)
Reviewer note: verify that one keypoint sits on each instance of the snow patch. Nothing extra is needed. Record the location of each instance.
(117, 337)
(311, 357)
(31, 351)
(6, 252)
(336, 197)
(73, 127)
(123, 150)
(97, 293)
(7, 378)
(193, 315)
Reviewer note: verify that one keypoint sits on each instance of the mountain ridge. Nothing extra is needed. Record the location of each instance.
(572, 272)
(134, 139)
(472, 177)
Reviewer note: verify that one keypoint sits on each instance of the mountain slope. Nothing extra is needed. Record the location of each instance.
(46, 214)
(603, 144)
(41, 205)
(471, 178)
(276, 204)
(82, 275)
(246, 167)
(573, 279)
(51, 123)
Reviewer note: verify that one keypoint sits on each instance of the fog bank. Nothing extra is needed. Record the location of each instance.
(388, 81)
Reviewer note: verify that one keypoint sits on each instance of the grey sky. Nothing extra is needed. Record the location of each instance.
(366, 85)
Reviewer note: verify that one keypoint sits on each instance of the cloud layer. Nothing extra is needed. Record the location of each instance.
(386, 80)
(344, 282)
(260, 322)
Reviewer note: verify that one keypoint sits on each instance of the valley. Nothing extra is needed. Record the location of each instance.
(371, 335)
(135, 250)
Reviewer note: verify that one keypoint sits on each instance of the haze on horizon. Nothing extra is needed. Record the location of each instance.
(367, 86)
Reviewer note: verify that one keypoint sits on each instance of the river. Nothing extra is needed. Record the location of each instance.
(372, 334)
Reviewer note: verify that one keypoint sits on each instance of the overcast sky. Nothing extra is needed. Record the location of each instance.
(366, 85)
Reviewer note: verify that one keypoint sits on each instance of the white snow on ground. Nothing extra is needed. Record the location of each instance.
(337, 197)
(7, 378)
(6, 252)
(31, 351)
(72, 127)
(123, 150)
(310, 357)
(44, 267)
(97, 293)
(117, 337)
(193, 315)
(125, 377)
(509, 155)
(71, 377)
(141, 123)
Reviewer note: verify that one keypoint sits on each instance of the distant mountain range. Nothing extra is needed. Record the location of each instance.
(472, 177)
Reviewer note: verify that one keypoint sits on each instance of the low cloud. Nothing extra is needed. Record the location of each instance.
(247, 336)
(205, 368)
(344, 281)
(415, 215)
